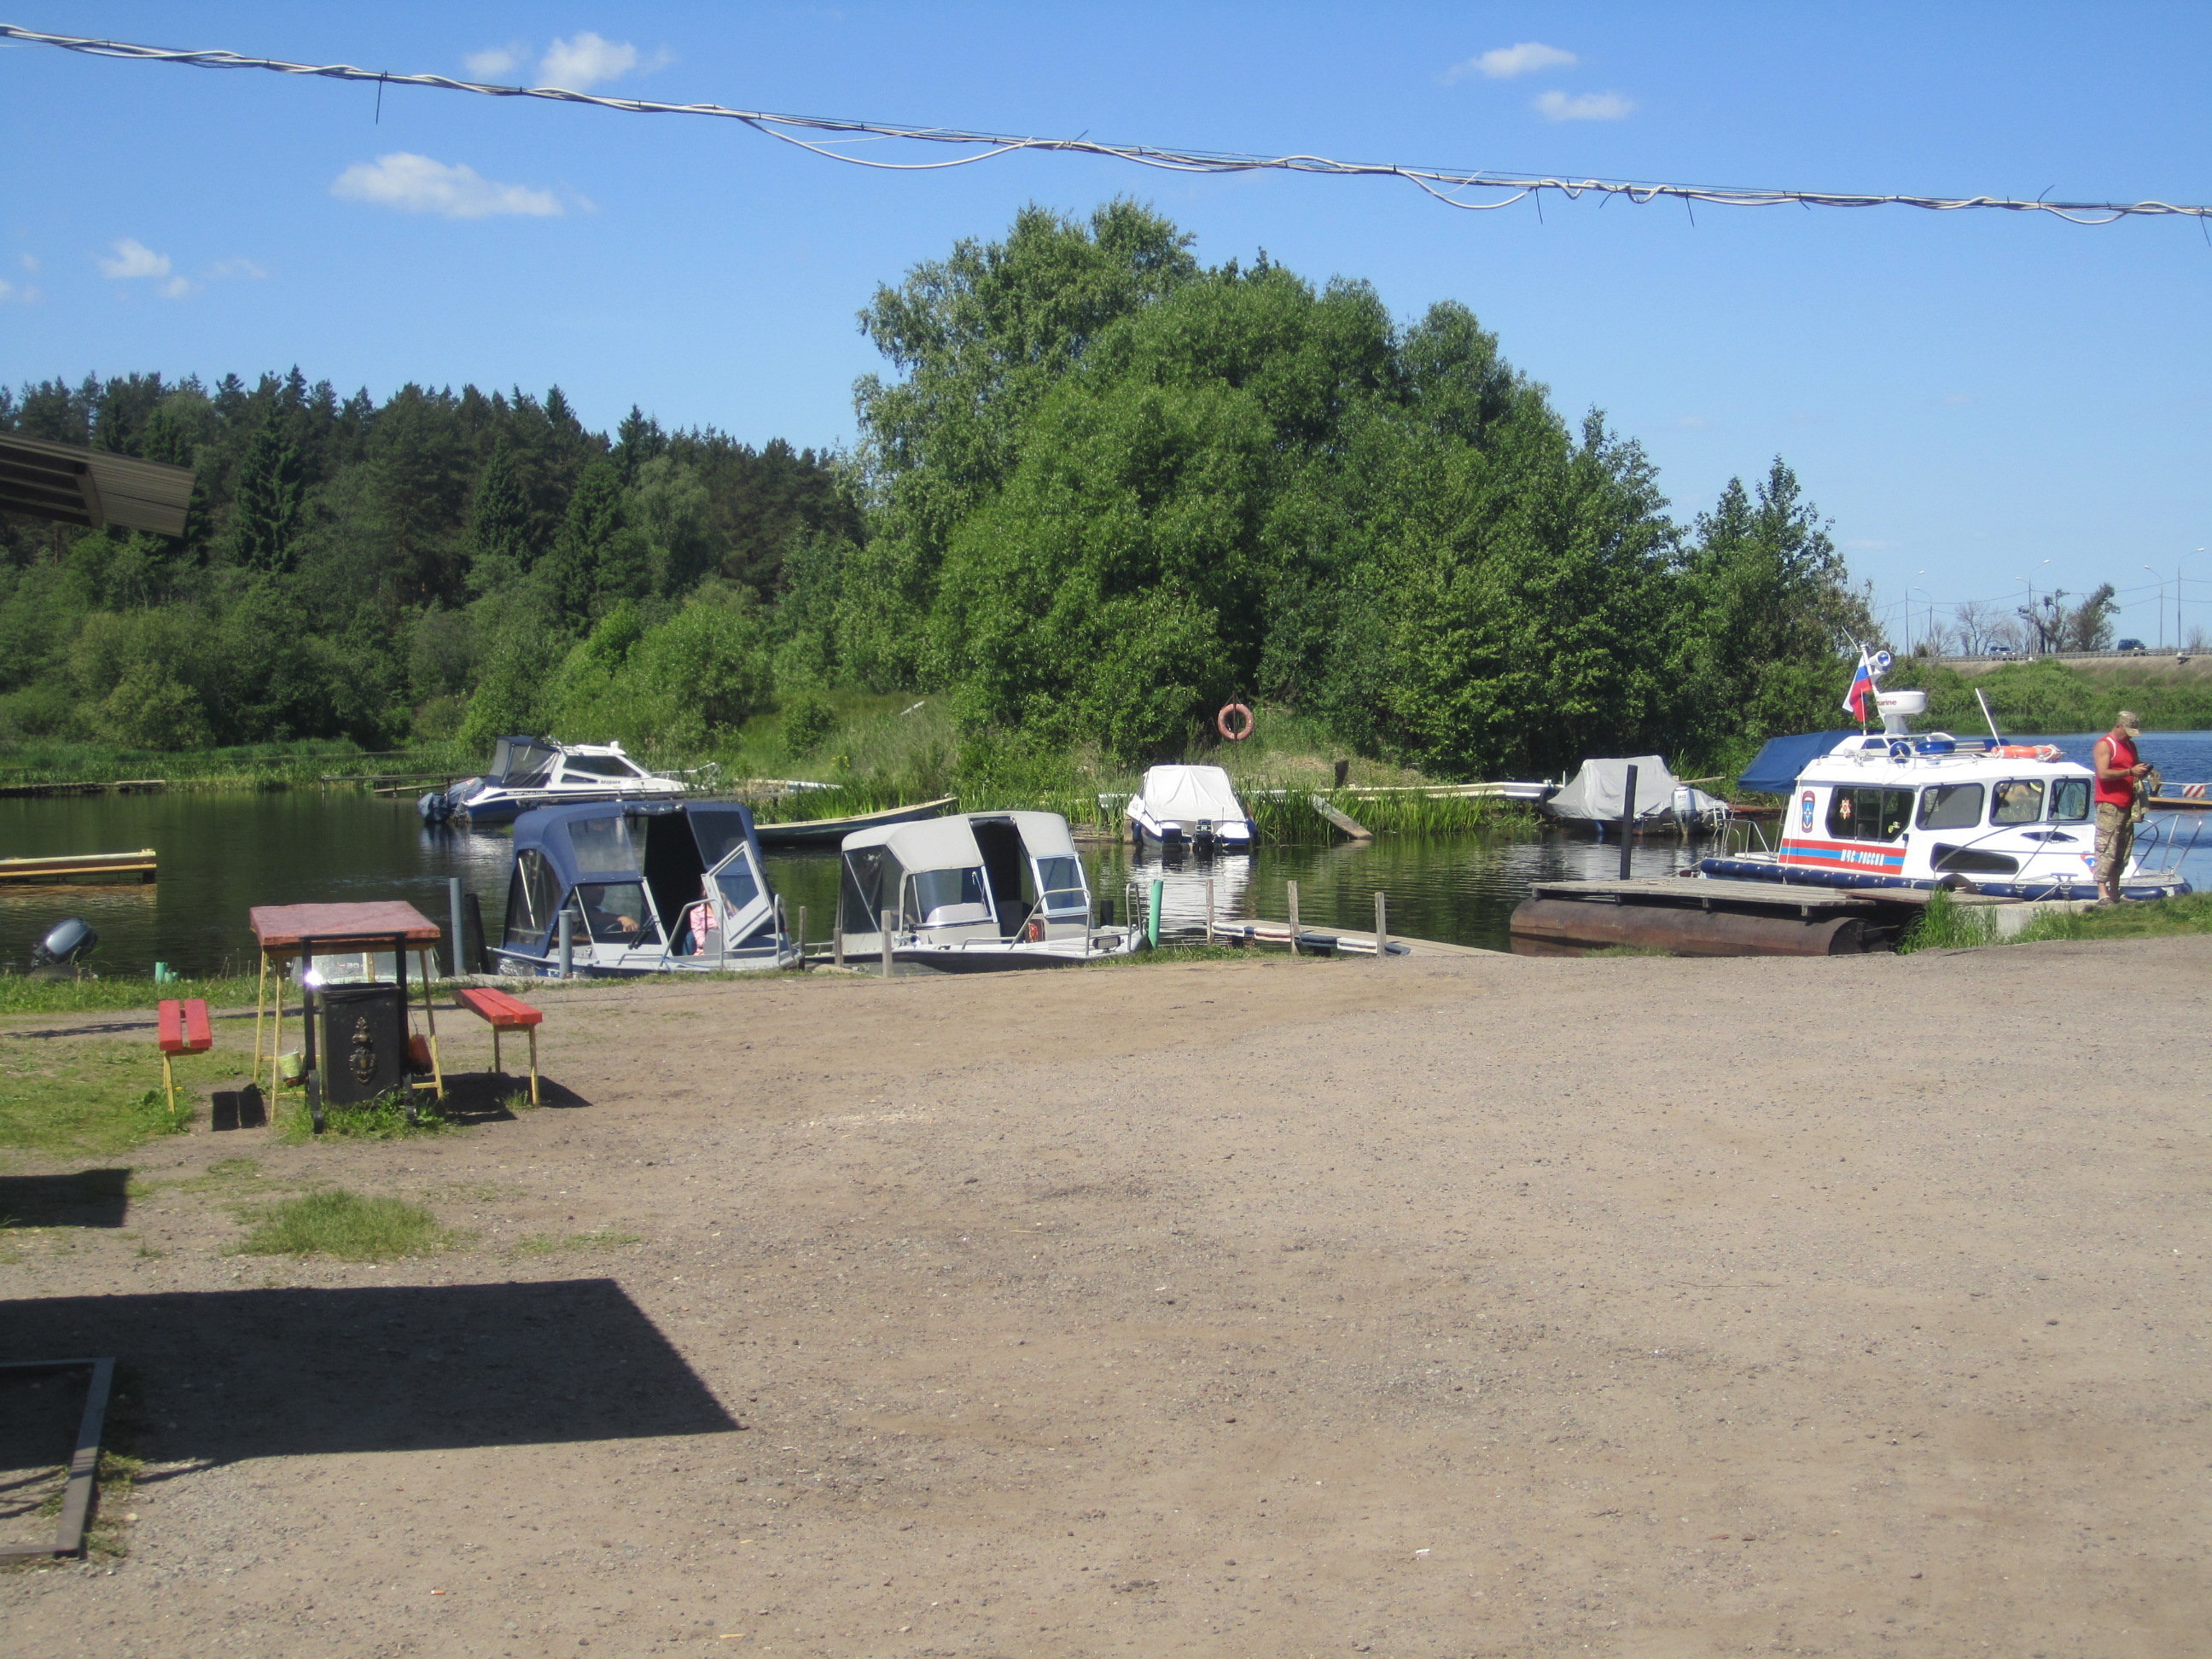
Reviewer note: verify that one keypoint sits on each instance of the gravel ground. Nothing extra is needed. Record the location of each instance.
(1479, 1307)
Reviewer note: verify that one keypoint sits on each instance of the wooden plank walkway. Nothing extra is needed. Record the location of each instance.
(1345, 940)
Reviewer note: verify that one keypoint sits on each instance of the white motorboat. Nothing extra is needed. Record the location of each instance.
(1190, 806)
(1894, 809)
(977, 891)
(1598, 794)
(532, 772)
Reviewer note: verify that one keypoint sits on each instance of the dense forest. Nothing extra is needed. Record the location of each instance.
(1102, 490)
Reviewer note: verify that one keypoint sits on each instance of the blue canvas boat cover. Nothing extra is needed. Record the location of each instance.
(1776, 767)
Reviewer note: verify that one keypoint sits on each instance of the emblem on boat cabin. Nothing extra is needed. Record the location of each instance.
(1805, 810)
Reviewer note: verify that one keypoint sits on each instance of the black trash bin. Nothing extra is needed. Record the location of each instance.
(362, 1041)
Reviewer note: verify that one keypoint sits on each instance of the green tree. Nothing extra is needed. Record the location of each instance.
(267, 497)
(499, 524)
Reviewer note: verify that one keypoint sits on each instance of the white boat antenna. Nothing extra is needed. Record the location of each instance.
(1988, 716)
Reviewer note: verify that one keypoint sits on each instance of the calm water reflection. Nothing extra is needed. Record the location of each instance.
(223, 853)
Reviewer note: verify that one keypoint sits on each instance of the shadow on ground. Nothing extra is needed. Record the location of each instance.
(89, 1198)
(227, 1375)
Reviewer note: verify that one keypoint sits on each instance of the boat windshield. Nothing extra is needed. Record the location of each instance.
(598, 766)
(739, 888)
(616, 913)
(2069, 800)
(1061, 882)
(946, 896)
(605, 843)
(519, 764)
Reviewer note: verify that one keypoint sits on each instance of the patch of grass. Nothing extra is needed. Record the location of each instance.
(1945, 924)
(347, 1227)
(384, 1118)
(20, 994)
(517, 1102)
(2153, 919)
(549, 1243)
(70, 1098)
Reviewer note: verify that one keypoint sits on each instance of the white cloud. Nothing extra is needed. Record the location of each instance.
(1503, 63)
(7, 290)
(178, 287)
(416, 183)
(495, 60)
(132, 258)
(30, 263)
(1584, 106)
(585, 61)
(226, 270)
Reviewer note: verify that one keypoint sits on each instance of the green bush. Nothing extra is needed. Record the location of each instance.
(808, 722)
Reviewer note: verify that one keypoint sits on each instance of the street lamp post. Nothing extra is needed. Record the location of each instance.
(1930, 636)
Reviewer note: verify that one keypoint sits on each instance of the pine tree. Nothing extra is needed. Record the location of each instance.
(499, 529)
(588, 537)
(267, 496)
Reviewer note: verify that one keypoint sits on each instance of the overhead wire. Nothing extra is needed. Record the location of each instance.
(1441, 183)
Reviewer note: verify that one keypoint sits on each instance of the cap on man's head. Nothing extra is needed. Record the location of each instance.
(2129, 722)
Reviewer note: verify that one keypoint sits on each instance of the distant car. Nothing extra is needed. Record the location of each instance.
(2000, 651)
(2130, 647)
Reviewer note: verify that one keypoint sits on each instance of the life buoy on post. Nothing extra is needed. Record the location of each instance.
(1234, 722)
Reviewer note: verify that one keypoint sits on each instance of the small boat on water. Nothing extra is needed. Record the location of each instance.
(1894, 809)
(649, 887)
(831, 832)
(1596, 794)
(974, 892)
(1189, 806)
(531, 772)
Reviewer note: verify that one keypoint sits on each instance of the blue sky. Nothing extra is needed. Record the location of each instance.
(1974, 399)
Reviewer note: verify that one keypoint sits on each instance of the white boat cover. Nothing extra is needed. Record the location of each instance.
(1595, 792)
(933, 844)
(1189, 794)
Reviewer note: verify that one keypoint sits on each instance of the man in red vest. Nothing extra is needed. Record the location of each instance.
(2119, 766)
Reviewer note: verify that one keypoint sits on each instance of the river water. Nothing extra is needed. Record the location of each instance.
(222, 854)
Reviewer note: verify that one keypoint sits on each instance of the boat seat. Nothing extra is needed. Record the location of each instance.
(503, 1012)
(181, 1027)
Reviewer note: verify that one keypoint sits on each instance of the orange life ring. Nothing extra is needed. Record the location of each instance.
(2041, 751)
(1221, 722)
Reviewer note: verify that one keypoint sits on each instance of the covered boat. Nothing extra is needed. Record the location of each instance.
(531, 772)
(978, 890)
(650, 887)
(1596, 794)
(1194, 806)
(1895, 809)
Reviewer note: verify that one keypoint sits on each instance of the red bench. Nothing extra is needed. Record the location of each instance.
(183, 1029)
(504, 1013)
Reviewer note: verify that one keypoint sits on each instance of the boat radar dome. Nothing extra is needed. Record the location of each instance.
(1899, 707)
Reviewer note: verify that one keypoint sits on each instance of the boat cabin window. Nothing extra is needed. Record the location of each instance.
(1950, 806)
(736, 879)
(616, 913)
(598, 766)
(1869, 814)
(521, 764)
(721, 830)
(947, 897)
(1061, 880)
(607, 843)
(2069, 800)
(532, 896)
(2017, 801)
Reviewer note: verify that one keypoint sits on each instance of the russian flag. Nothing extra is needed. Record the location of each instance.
(1859, 700)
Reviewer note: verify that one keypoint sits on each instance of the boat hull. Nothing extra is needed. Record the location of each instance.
(999, 959)
(831, 832)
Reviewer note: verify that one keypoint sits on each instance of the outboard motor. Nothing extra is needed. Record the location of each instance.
(435, 807)
(65, 942)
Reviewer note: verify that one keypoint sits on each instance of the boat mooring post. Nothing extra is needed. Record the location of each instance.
(457, 953)
(1152, 914)
(837, 941)
(889, 923)
(1209, 909)
(1627, 819)
(1381, 927)
(568, 944)
(802, 939)
(1293, 888)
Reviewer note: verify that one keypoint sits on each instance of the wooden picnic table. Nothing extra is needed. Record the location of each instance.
(286, 933)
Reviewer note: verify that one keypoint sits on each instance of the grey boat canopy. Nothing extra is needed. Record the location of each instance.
(1596, 793)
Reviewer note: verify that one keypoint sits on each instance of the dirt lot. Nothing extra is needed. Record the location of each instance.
(1486, 1307)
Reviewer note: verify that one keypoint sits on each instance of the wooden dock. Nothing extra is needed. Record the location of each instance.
(1334, 941)
(138, 866)
(1707, 916)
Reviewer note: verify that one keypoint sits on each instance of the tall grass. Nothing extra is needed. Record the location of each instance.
(1947, 925)
(1287, 817)
(254, 766)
